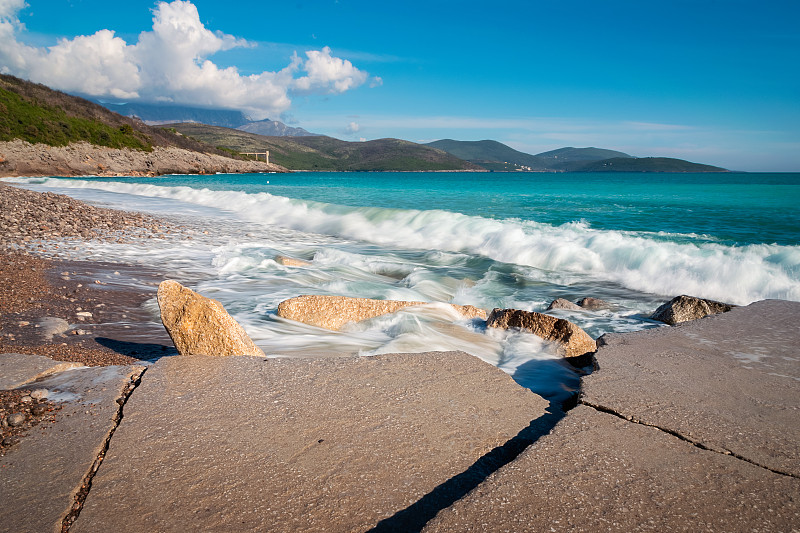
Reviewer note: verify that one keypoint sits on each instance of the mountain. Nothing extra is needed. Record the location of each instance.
(646, 164)
(491, 155)
(156, 114)
(272, 128)
(326, 153)
(47, 132)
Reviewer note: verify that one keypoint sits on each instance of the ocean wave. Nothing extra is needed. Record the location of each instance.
(663, 264)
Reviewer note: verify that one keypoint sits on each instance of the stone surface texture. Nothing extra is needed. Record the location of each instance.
(41, 475)
(17, 370)
(561, 303)
(251, 444)
(685, 308)
(200, 325)
(597, 472)
(593, 304)
(730, 381)
(572, 341)
(689, 428)
(333, 312)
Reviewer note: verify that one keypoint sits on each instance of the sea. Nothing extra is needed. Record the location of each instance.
(492, 240)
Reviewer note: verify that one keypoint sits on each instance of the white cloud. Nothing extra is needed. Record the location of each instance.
(169, 64)
(352, 128)
(328, 74)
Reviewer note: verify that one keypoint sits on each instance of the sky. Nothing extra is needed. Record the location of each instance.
(710, 81)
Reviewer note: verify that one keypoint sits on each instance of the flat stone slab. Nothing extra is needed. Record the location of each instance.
(40, 476)
(598, 472)
(730, 382)
(255, 444)
(18, 369)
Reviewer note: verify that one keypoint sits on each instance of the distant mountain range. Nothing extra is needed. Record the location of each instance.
(326, 153)
(493, 155)
(155, 115)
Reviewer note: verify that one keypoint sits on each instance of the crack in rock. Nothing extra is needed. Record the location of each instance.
(684, 438)
(86, 486)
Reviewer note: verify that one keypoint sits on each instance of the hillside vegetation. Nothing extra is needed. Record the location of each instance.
(38, 114)
(647, 164)
(326, 153)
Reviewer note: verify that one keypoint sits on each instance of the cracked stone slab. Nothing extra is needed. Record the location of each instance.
(730, 382)
(40, 476)
(18, 369)
(255, 444)
(597, 472)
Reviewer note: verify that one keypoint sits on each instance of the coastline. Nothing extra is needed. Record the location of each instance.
(355, 431)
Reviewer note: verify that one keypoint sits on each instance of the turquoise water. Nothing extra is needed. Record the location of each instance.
(735, 209)
(507, 240)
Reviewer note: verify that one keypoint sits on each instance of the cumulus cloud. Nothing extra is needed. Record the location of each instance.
(352, 128)
(170, 63)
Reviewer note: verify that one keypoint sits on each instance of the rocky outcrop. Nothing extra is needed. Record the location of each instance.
(20, 158)
(333, 312)
(573, 343)
(684, 308)
(200, 325)
(593, 304)
(561, 303)
(291, 261)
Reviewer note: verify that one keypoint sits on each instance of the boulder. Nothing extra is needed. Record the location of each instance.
(200, 325)
(290, 261)
(333, 312)
(684, 308)
(573, 343)
(561, 303)
(593, 304)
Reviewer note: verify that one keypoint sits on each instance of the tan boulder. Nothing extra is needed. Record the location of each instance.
(290, 261)
(200, 325)
(684, 308)
(561, 303)
(333, 312)
(573, 343)
(593, 304)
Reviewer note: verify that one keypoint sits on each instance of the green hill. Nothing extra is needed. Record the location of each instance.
(568, 159)
(646, 164)
(326, 153)
(491, 155)
(38, 114)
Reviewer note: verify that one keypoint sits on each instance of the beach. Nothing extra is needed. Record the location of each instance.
(395, 442)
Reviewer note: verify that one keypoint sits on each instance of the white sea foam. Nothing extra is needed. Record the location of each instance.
(567, 253)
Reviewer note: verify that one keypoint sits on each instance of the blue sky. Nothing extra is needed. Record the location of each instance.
(709, 81)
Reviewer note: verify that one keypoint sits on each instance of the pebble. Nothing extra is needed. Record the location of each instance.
(24, 323)
(83, 314)
(15, 420)
(40, 394)
(10, 441)
(26, 399)
(38, 410)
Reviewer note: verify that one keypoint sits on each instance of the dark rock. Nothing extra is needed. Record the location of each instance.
(38, 410)
(684, 308)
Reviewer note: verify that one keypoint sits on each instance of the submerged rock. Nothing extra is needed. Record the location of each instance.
(684, 308)
(574, 343)
(593, 304)
(333, 312)
(200, 325)
(291, 261)
(561, 303)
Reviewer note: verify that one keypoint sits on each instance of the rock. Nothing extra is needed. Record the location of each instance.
(561, 303)
(10, 441)
(333, 312)
(51, 325)
(574, 344)
(593, 304)
(40, 394)
(26, 399)
(200, 325)
(83, 314)
(16, 419)
(39, 409)
(291, 261)
(684, 308)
